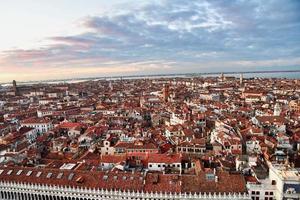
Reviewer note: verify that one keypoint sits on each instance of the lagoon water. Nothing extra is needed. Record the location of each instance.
(287, 75)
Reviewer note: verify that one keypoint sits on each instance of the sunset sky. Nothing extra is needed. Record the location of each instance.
(55, 39)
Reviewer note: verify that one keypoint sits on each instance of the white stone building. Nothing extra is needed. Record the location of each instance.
(163, 162)
(107, 149)
(41, 125)
(283, 183)
(286, 181)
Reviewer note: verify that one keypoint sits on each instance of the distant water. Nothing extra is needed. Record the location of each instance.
(288, 75)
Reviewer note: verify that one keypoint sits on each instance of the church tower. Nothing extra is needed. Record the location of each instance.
(111, 87)
(15, 88)
(166, 92)
(222, 77)
(241, 79)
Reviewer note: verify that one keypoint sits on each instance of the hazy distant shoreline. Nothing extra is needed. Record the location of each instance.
(289, 74)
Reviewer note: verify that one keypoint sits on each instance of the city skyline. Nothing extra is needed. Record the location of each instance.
(63, 39)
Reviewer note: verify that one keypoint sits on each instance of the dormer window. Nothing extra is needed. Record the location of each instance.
(210, 177)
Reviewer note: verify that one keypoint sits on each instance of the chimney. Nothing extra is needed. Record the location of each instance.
(216, 179)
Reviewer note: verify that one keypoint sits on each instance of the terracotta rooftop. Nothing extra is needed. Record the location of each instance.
(204, 182)
(35, 121)
(69, 125)
(164, 158)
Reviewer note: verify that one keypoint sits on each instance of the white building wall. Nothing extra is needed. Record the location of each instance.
(163, 166)
(276, 175)
(41, 128)
(31, 135)
(261, 192)
(107, 149)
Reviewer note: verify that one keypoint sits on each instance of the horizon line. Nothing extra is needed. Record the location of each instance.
(160, 75)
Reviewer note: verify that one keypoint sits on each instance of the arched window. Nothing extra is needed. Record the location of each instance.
(17, 195)
(9, 195)
(22, 196)
(13, 195)
(25, 196)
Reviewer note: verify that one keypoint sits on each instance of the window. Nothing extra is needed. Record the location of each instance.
(19, 172)
(273, 182)
(158, 165)
(29, 173)
(38, 174)
(49, 175)
(210, 177)
(59, 176)
(70, 177)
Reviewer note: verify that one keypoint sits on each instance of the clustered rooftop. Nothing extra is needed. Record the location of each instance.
(213, 134)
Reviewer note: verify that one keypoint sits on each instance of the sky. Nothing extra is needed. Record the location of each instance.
(42, 39)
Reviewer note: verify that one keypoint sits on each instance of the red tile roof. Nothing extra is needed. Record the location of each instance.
(154, 182)
(69, 125)
(165, 158)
